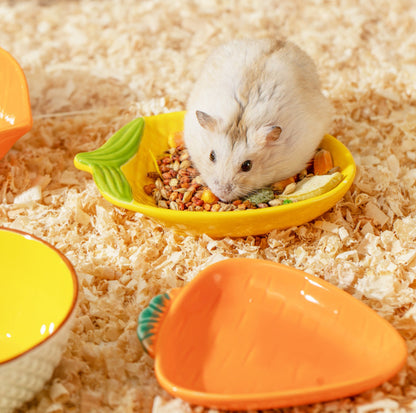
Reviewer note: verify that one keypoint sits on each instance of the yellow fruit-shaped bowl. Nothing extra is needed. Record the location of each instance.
(38, 294)
(15, 111)
(120, 167)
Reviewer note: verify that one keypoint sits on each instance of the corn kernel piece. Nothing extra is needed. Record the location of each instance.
(208, 197)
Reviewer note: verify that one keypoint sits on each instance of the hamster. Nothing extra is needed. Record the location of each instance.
(255, 116)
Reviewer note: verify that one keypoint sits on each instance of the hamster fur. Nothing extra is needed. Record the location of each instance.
(255, 116)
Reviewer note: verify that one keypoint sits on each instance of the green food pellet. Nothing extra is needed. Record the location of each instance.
(263, 195)
(287, 201)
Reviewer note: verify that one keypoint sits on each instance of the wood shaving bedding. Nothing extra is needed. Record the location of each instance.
(93, 66)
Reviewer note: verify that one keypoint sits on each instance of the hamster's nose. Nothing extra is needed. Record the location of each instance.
(228, 187)
(224, 187)
(224, 192)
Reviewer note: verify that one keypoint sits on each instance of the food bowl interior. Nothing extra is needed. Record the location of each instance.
(157, 131)
(38, 290)
(246, 327)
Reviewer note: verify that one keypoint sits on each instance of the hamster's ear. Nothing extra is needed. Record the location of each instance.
(274, 134)
(207, 121)
(267, 135)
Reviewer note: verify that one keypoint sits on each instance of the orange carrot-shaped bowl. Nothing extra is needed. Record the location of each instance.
(15, 112)
(254, 334)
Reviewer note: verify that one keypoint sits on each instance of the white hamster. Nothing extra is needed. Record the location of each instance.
(255, 116)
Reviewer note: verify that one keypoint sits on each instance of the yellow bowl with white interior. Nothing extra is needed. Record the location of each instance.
(38, 295)
(119, 169)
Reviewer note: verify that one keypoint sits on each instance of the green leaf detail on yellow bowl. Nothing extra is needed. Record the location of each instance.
(105, 162)
(151, 318)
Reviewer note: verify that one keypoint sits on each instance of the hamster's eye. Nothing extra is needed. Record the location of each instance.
(212, 157)
(246, 166)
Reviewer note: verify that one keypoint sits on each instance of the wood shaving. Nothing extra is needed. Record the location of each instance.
(93, 66)
(30, 195)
